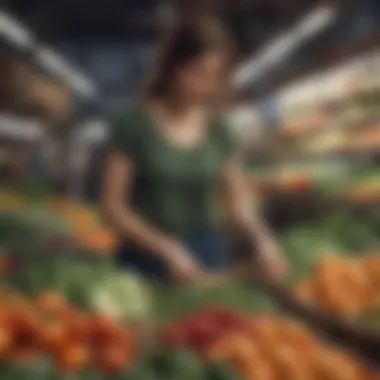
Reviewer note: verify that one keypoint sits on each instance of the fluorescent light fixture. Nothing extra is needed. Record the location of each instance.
(271, 54)
(22, 129)
(14, 32)
(316, 21)
(56, 65)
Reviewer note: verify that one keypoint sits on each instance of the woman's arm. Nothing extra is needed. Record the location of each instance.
(240, 212)
(116, 185)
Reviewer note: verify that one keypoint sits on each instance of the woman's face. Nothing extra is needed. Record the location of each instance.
(201, 79)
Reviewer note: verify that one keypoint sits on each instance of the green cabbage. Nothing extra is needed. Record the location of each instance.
(122, 295)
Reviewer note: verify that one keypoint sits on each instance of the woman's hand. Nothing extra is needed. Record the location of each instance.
(182, 266)
(272, 261)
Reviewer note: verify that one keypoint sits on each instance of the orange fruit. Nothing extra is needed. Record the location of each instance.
(331, 364)
(305, 291)
(357, 284)
(330, 291)
(371, 265)
(234, 348)
(259, 371)
(264, 332)
(16, 302)
(53, 335)
(5, 341)
(73, 358)
(298, 337)
(99, 239)
(289, 365)
(50, 302)
(243, 351)
(5, 316)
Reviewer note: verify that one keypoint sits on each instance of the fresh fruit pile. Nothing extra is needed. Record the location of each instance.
(202, 329)
(262, 347)
(85, 225)
(46, 326)
(343, 286)
(80, 222)
(281, 349)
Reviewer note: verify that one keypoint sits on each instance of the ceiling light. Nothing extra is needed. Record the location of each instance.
(14, 32)
(276, 50)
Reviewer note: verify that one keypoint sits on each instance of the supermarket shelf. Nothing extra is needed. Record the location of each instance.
(342, 153)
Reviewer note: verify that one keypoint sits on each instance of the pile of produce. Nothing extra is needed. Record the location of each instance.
(84, 225)
(89, 285)
(46, 327)
(343, 286)
(80, 223)
(61, 299)
(78, 327)
(263, 347)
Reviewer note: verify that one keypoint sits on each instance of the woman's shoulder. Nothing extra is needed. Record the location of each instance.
(126, 129)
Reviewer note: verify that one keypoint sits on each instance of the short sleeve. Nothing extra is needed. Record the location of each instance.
(123, 134)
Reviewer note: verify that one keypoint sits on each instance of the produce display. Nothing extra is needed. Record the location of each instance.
(46, 327)
(343, 286)
(53, 309)
(82, 224)
(352, 181)
(263, 347)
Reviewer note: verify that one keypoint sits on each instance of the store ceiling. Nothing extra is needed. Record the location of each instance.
(254, 22)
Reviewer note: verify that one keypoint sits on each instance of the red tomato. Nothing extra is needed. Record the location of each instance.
(102, 330)
(173, 336)
(79, 325)
(229, 319)
(203, 332)
(112, 358)
(26, 329)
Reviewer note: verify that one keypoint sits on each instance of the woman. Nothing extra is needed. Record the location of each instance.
(170, 157)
